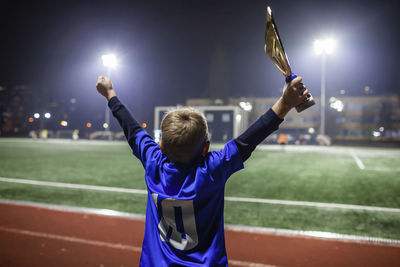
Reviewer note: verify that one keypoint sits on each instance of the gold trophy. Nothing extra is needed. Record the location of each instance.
(274, 49)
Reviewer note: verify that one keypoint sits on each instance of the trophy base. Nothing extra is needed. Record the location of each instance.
(308, 102)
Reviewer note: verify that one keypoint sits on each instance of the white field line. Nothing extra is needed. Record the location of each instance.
(310, 204)
(64, 141)
(75, 186)
(229, 227)
(382, 169)
(360, 164)
(233, 199)
(71, 239)
(338, 150)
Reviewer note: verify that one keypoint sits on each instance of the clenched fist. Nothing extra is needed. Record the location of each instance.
(105, 87)
(294, 94)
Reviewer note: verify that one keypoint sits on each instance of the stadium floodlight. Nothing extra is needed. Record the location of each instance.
(47, 115)
(36, 115)
(109, 61)
(323, 47)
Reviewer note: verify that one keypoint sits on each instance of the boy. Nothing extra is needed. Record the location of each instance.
(185, 182)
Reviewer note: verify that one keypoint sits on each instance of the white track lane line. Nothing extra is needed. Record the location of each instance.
(106, 244)
(312, 234)
(231, 227)
(71, 239)
(248, 264)
(233, 199)
(360, 164)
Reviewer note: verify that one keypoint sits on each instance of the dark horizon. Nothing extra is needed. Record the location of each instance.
(175, 50)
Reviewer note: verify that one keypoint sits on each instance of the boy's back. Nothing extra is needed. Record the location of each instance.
(184, 215)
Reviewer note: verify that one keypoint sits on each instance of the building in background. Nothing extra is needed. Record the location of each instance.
(27, 111)
(16, 104)
(367, 118)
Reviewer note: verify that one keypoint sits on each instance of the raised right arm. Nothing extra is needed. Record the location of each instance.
(294, 94)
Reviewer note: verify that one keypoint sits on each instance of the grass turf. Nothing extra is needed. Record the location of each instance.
(275, 174)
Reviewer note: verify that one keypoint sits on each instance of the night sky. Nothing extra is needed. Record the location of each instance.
(173, 50)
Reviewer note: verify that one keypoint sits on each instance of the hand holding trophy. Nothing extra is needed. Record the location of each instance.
(274, 49)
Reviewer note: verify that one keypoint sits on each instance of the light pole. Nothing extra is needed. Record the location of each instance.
(323, 47)
(110, 62)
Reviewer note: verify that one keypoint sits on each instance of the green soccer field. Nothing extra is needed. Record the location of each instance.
(310, 174)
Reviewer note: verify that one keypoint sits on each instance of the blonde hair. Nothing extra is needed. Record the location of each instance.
(184, 133)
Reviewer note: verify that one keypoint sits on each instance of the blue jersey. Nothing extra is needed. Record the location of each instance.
(185, 204)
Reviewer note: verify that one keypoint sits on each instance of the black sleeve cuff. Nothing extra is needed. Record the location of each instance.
(273, 115)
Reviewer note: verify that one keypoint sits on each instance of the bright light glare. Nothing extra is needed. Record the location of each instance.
(36, 115)
(326, 46)
(105, 125)
(238, 117)
(376, 134)
(321, 234)
(64, 123)
(109, 212)
(336, 104)
(109, 61)
(47, 115)
(246, 106)
(311, 130)
(269, 10)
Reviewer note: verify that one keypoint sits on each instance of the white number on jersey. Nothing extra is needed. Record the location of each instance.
(177, 225)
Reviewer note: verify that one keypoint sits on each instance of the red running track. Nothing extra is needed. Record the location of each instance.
(38, 236)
